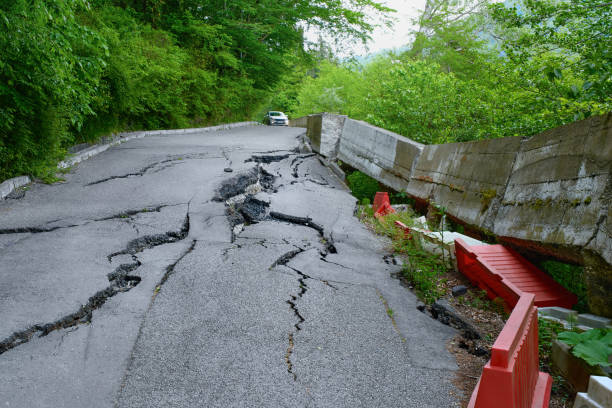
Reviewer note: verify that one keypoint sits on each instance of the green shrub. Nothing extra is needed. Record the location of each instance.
(593, 346)
(362, 186)
(571, 277)
(424, 271)
(547, 333)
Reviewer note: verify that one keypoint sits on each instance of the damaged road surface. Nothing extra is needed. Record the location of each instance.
(154, 277)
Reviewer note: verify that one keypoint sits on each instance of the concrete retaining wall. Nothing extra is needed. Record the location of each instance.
(324, 131)
(549, 193)
(468, 179)
(381, 154)
(559, 190)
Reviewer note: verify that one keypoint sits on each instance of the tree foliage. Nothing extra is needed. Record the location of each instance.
(72, 70)
(477, 70)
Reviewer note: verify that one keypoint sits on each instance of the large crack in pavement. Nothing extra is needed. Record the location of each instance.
(284, 260)
(292, 302)
(122, 215)
(120, 281)
(170, 268)
(153, 167)
(242, 208)
(238, 193)
(150, 241)
(307, 222)
(295, 163)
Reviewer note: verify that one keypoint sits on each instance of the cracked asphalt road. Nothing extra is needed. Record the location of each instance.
(154, 278)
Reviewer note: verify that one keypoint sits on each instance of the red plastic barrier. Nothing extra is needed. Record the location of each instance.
(379, 200)
(382, 205)
(504, 273)
(405, 228)
(384, 209)
(511, 379)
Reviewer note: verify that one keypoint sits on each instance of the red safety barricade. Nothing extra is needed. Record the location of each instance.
(382, 205)
(405, 228)
(504, 273)
(380, 199)
(511, 379)
(384, 209)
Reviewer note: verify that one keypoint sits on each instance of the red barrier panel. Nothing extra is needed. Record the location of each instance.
(405, 228)
(379, 199)
(383, 210)
(511, 379)
(504, 273)
(382, 205)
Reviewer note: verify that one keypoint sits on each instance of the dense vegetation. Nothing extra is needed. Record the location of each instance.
(72, 70)
(477, 70)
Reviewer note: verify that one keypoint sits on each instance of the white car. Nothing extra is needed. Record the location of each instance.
(276, 118)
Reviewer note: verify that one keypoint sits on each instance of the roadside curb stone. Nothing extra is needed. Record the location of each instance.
(8, 186)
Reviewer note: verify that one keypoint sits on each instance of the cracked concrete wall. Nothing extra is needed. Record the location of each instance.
(324, 131)
(559, 195)
(559, 190)
(468, 179)
(548, 194)
(379, 153)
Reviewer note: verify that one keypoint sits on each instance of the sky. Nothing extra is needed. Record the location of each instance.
(383, 37)
(397, 36)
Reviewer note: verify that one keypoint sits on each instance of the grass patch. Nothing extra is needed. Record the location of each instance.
(423, 270)
(571, 277)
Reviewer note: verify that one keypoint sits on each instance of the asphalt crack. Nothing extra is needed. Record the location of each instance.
(297, 161)
(35, 230)
(153, 167)
(286, 257)
(170, 268)
(150, 241)
(267, 159)
(120, 281)
(390, 315)
(307, 222)
(139, 173)
(288, 357)
(238, 192)
(122, 215)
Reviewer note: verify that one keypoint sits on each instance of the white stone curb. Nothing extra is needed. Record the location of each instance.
(598, 395)
(8, 186)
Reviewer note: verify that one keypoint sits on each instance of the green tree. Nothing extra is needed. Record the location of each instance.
(49, 71)
(562, 51)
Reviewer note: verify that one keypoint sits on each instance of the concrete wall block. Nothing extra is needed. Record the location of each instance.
(594, 321)
(468, 179)
(559, 313)
(331, 130)
(599, 394)
(560, 185)
(375, 152)
(600, 390)
(313, 131)
(584, 401)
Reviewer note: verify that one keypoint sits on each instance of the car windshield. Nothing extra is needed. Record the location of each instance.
(276, 113)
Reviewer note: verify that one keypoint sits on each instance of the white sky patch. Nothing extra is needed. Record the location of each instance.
(399, 34)
(383, 37)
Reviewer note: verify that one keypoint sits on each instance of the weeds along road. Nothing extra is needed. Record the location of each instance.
(154, 277)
